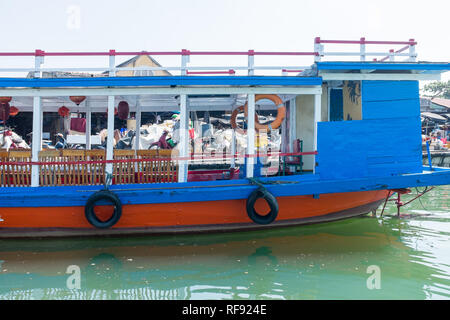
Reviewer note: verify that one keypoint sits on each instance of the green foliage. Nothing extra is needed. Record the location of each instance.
(439, 89)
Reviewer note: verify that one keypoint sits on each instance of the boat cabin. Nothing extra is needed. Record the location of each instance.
(328, 120)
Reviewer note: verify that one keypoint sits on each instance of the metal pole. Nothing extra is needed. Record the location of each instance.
(38, 61)
(88, 124)
(251, 62)
(317, 119)
(138, 125)
(110, 139)
(184, 138)
(112, 63)
(185, 54)
(233, 149)
(363, 49)
(412, 51)
(292, 122)
(36, 140)
(251, 135)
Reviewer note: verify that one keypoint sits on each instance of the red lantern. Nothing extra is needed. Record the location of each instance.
(63, 111)
(13, 111)
(124, 109)
(77, 99)
(5, 99)
(4, 111)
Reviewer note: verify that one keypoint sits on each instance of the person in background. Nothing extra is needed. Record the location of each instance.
(60, 141)
(162, 142)
(444, 140)
(176, 128)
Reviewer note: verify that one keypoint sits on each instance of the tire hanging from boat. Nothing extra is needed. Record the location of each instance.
(271, 201)
(103, 195)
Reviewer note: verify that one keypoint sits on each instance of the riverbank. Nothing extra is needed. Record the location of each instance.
(438, 158)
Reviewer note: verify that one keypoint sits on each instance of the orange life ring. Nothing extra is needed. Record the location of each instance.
(281, 114)
(234, 116)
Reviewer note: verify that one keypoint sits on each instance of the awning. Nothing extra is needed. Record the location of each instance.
(433, 116)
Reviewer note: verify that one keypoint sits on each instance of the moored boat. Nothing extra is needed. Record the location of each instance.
(350, 136)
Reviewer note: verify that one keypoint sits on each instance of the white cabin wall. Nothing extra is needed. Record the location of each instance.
(324, 102)
(305, 127)
(305, 122)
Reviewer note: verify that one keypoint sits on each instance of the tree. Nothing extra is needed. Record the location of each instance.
(438, 89)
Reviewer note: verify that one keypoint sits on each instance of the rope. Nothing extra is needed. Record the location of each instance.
(108, 180)
(261, 187)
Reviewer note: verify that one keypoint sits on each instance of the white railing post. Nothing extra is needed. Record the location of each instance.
(184, 139)
(318, 49)
(185, 54)
(391, 55)
(250, 135)
(110, 120)
(38, 61)
(233, 149)
(138, 126)
(362, 49)
(137, 135)
(36, 144)
(412, 51)
(251, 62)
(88, 124)
(110, 137)
(112, 63)
(292, 123)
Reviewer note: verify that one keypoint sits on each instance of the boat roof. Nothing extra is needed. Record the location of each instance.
(349, 70)
(349, 66)
(232, 79)
(165, 81)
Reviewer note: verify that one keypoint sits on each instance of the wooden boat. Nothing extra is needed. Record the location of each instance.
(358, 125)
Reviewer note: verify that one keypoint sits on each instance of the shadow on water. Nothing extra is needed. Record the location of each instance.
(326, 261)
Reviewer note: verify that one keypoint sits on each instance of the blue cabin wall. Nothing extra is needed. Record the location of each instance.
(387, 141)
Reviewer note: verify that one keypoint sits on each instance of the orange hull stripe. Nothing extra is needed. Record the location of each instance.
(187, 213)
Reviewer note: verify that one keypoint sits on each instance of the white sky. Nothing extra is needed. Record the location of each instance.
(281, 25)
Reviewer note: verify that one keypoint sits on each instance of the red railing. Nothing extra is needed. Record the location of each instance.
(410, 44)
(41, 53)
(185, 54)
(364, 41)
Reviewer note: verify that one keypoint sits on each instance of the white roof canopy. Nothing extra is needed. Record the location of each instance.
(153, 102)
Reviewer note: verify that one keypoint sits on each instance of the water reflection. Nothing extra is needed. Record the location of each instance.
(327, 261)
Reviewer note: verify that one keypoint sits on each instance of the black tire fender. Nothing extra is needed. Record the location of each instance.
(103, 195)
(271, 201)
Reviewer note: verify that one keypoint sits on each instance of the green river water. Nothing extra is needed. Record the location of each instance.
(358, 258)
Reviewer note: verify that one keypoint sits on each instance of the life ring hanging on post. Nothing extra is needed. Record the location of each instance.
(281, 114)
(233, 120)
